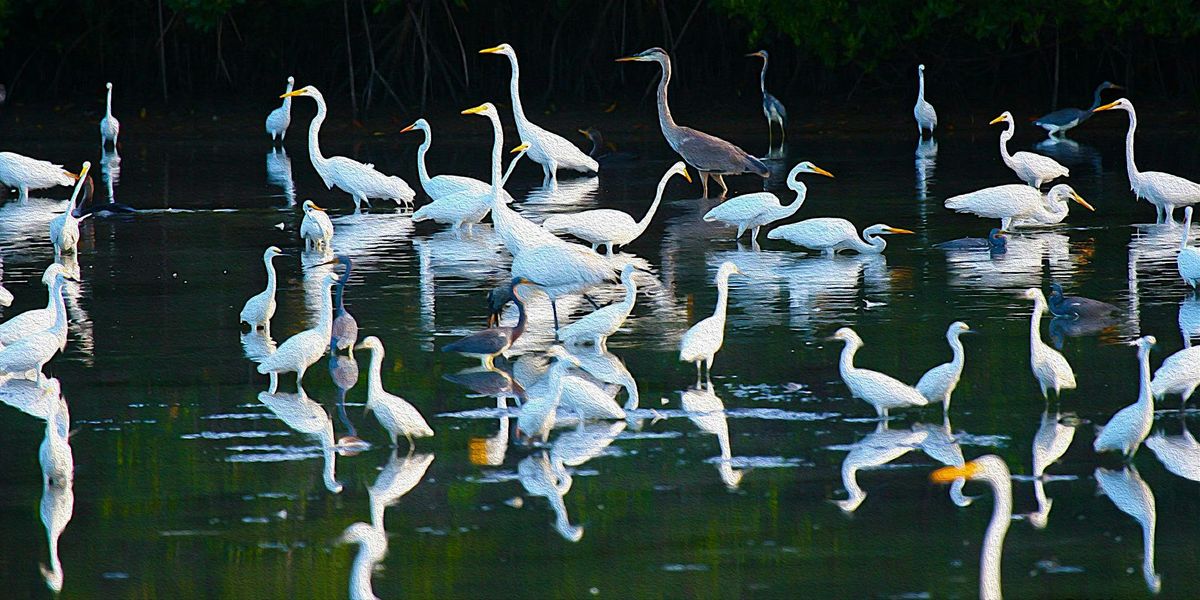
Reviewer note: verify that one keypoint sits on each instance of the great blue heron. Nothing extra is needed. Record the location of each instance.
(110, 127)
(922, 110)
(749, 212)
(1016, 202)
(281, 118)
(1031, 168)
(710, 155)
(1064, 119)
(829, 235)
(884, 392)
(772, 108)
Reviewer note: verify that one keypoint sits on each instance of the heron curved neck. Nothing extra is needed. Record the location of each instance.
(422, 170)
(108, 105)
(1006, 135)
(270, 277)
(658, 194)
(1187, 229)
(1035, 323)
(846, 362)
(60, 309)
(314, 129)
(993, 539)
(665, 121)
(762, 78)
(375, 372)
(338, 304)
(870, 244)
(514, 85)
(1130, 166)
(1096, 101)
(519, 328)
(801, 191)
(956, 347)
(360, 574)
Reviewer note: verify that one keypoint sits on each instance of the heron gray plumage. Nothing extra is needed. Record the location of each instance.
(493, 341)
(710, 155)
(996, 241)
(1060, 121)
(345, 328)
(773, 109)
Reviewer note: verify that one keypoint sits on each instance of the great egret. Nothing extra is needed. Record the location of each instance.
(922, 110)
(280, 118)
(710, 155)
(704, 339)
(562, 269)
(38, 319)
(1064, 119)
(605, 152)
(752, 211)
(1127, 429)
(992, 470)
(609, 226)
(1178, 374)
(64, 229)
(344, 331)
(315, 228)
(537, 415)
(1018, 204)
(773, 109)
(830, 235)
(996, 241)
(24, 173)
(1031, 168)
(441, 186)
(360, 180)
(1078, 307)
(1164, 190)
(297, 353)
(938, 383)
(1188, 259)
(372, 547)
(1050, 368)
(548, 149)
(110, 127)
(33, 351)
(605, 321)
(884, 392)
(396, 415)
(494, 341)
(260, 307)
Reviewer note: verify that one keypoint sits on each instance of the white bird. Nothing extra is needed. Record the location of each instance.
(441, 186)
(1015, 203)
(550, 150)
(1031, 168)
(706, 410)
(938, 383)
(604, 321)
(1180, 454)
(608, 226)
(315, 228)
(33, 351)
(922, 110)
(64, 229)
(992, 470)
(297, 353)
(589, 400)
(55, 454)
(884, 392)
(1130, 494)
(1178, 374)
(360, 180)
(393, 412)
(26, 174)
(541, 477)
(372, 547)
(1126, 429)
(260, 307)
(704, 339)
(830, 235)
(752, 211)
(562, 269)
(110, 127)
(1050, 368)
(38, 319)
(281, 118)
(1164, 190)
(538, 413)
(58, 495)
(1188, 259)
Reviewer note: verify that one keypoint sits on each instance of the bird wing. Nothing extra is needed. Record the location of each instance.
(1188, 261)
(1172, 188)
(743, 208)
(821, 232)
(488, 341)
(713, 154)
(562, 264)
(591, 225)
(1062, 116)
(997, 202)
(566, 154)
(1041, 165)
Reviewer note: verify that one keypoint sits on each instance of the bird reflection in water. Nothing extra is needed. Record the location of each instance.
(343, 370)
(58, 496)
(279, 173)
(540, 477)
(1180, 454)
(307, 417)
(706, 410)
(398, 477)
(372, 547)
(991, 470)
(1130, 494)
(1050, 443)
(874, 450)
(925, 163)
(1189, 319)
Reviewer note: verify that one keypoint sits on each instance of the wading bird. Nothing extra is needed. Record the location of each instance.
(922, 110)
(704, 339)
(344, 331)
(1178, 374)
(396, 415)
(1078, 307)
(996, 241)
(32, 352)
(442, 186)
(938, 383)
(538, 413)
(710, 155)
(884, 392)
(24, 173)
(64, 229)
(830, 235)
(110, 127)
(280, 118)
(604, 321)
(772, 108)
(297, 353)
(1188, 259)
(1050, 368)
(991, 470)
(260, 307)
(315, 228)
(38, 319)
(1127, 429)
(1064, 119)
(1164, 190)
(752, 211)
(1018, 204)
(1031, 168)
(494, 341)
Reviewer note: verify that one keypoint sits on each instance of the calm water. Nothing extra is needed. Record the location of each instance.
(189, 483)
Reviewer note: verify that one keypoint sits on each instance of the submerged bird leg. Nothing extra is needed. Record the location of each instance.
(411, 443)
(591, 301)
(754, 233)
(554, 311)
(274, 383)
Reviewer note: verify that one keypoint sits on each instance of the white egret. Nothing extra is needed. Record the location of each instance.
(33, 351)
(752, 211)
(589, 400)
(562, 269)
(372, 547)
(540, 477)
(550, 150)
(441, 186)
(1178, 374)
(830, 235)
(922, 110)
(992, 470)
(26, 174)
(609, 226)
(1164, 190)
(38, 319)
(1125, 431)
(1031, 168)
(884, 392)
(395, 413)
(538, 413)
(58, 495)
(704, 339)
(297, 353)
(360, 180)
(315, 228)
(64, 229)
(604, 321)
(1188, 259)
(110, 127)
(1050, 368)
(281, 118)
(938, 383)
(1015, 203)
(260, 307)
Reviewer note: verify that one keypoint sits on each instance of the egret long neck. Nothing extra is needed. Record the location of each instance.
(658, 194)
(870, 244)
(665, 121)
(422, 171)
(314, 130)
(325, 319)
(630, 292)
(846, 362)
(1035, 324)
(497, 154)
(1131, 167)
(1096, 98)
(514, 85)
(374, 373)
(287, 101)
(1187, 229)
(956, 346)
(270, 277)
(60, 308)
(1145, 397)
(108, 105)
(1006, 135)
(920, 86)
(722, 299)
(993, 539)
(801, 193)
(360, 574)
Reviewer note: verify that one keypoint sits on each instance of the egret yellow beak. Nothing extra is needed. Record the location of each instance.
(898, 230)
(87, 166)
(948, 474)
(999, 119)
(628, 59)
(293, 93)
(686, 176)
(493, 50)
(409, 128)
(521, 148)
(1081, 201)
(1109, 106)
(584, 132)
(476, 110)
(820, 171)
(758, 54)
(74, 176)
(318, 208)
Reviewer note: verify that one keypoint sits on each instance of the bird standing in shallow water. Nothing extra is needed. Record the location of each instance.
(1062, 120)
(260, 307)
(494, 341)
(830, 235)
(996, 241)
(344, 332)
(1050, 368)
(64, 229)
(773, 109)
(884, 392)
(922, 110)
(752, 211)
(1078, 307)
(396, 415)
(1031, 168)
(315, 228)
(281, 118)
(1188, 259)
(704, 339)
(938, 383)
(1126, 429)
(110, 127)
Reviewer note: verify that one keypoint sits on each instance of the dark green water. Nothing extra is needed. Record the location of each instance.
(187, 485)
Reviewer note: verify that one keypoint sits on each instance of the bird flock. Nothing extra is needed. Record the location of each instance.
(548, 259)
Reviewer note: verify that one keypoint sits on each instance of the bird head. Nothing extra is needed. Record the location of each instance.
(727, 268)
(997, 234)
(1063, 192)
(679, 168)
(1108, 85)
(486, 109)
(1122, 104)
(504, 49)
(1035, 295)
(885, 229)
(108, 85)
(807, 167)
(309, 205)
(990, 467)
(847, 335)
(524, 147)
(959, 328)
(272, 251)
(760, 54)
(1144, 343)
(370, 343)
(1005, 117)
(421, 124)
(51, 272)
(291, 80)
(921, 68)
(307, 90)
(650, 55)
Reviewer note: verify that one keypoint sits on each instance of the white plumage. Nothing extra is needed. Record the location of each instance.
(396, 415)
(604, 321)
(749, 212)
(704, 339)
(38, 319)
(372, 547)
(1018, 204)
(923, 111)
(64, 229)
(1188, 259)
(281, 118)
(458, 200)
(110, 127)
(315, 228)
(830, 235)
(1126, 429)
(1178, 374)
(1050, 368)
(1031, 168)
(1165, 191)
(260, 307)
(884, 392)
(538, 413)
(33, 351)
(938, 383)
(26, 174)
(300, 351)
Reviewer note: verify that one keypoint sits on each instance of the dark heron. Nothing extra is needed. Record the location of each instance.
(710, 155)
(996, 241)
(344, 332)
(772, 108)
(1078, 307)
(493, 341)
(1064, 119)
(605, 152)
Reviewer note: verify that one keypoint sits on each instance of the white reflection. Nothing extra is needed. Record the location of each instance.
(58, 496)
(80, 322)
(1050, 443)
(571, 195)
(706, 410)
(582, 395)
(925, 161)
(489, 451)
(315, 264)
(110, 172)
(398, 477)
(370, 238)
(1072, 154)
(1189, 319)
(279, 173)
(257, 345)
(465, 260)
(876, 449)
(30, 397)
(1152, 271)
(609, 368)
(1180, 454)
(1133, 497)
(372, 547)
(540, 478)
(1019, 267)
(306, 416)
(23, 225)
(941, 445)
(585, 442)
